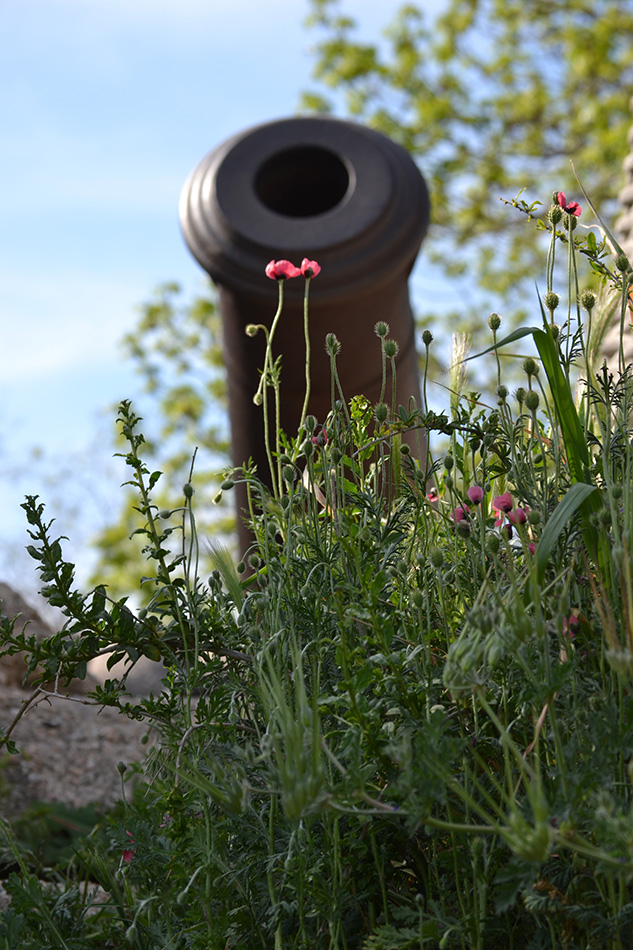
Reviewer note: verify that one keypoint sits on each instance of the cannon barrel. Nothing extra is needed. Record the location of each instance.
(332, 191)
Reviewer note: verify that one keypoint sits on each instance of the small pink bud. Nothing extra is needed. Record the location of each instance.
(475, 494)
(532, 547)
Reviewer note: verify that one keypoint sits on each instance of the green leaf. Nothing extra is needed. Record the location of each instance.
(511, 338)
(576, 450)
(565, 510)
(573, 432)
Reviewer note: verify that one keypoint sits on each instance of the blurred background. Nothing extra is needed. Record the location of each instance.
(106, 107)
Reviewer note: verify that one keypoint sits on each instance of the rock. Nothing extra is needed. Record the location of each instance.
(12, 668)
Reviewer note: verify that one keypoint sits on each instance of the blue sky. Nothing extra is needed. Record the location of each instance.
(106, 106)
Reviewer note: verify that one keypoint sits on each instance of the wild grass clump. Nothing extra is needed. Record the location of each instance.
(404, 719)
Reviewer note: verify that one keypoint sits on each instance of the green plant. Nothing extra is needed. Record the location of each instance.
(404, 719)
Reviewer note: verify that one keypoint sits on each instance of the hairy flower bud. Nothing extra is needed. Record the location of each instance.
(381, 329)
(332, 344)
(494, 321)
(381, 412)
(427, 337)
(554, 214)
(463, 529)
(551, 300)
(391, 348)
(588, 300)
(530, 366)
(532, 400)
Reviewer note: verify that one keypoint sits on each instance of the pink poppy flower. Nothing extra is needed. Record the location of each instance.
(572, 208)
(280, 270)
(518, 516)
(127, 853)
(571, 626)
(460, 513)
(475, 494)
(310, 268)
(502, 502)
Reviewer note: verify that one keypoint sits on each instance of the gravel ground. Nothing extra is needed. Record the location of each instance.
(69, 749)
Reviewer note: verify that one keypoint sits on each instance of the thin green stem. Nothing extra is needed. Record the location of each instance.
(306, 334)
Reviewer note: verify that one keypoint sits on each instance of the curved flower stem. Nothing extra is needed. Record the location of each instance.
(268, 364)
(268, 378)
(551, 256)
(306, 333)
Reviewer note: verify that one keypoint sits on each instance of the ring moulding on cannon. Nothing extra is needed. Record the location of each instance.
(331, 191)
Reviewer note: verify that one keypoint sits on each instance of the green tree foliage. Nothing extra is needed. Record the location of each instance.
(177, 349)
(492, 96)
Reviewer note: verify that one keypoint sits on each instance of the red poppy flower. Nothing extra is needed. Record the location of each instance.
(127, 853)
(310, 268)
(281, 270)
(572, 208)
(571, 626)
